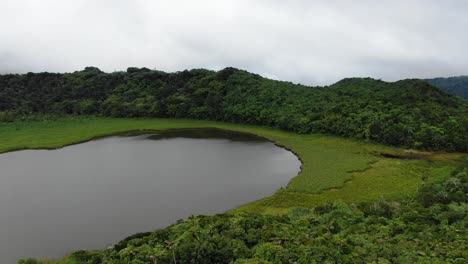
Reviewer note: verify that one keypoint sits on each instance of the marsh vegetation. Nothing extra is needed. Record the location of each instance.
(361, 195)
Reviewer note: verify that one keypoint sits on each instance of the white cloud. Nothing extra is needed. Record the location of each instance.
(312, 42)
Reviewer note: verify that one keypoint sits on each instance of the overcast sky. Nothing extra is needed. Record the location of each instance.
(311, 42)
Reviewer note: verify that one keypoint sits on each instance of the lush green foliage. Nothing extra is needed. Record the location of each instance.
(408, 113)
(429, 228)
(434, 231)
(454, 85)
(358, 170)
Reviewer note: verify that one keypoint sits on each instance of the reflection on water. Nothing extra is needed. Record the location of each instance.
(201, 133)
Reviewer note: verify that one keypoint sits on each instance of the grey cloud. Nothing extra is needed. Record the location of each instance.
(312, 42)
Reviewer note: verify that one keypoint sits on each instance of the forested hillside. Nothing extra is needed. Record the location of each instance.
(454, 85)
(409, 113)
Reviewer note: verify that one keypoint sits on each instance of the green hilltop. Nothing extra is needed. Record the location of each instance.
(353, 201)
(407, 113)
(454, 85)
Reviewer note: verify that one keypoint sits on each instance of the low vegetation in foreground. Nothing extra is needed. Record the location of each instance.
(354, 201)
(428, 228)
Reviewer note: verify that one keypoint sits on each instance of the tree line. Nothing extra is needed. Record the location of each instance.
(454, 85)
(409, 113)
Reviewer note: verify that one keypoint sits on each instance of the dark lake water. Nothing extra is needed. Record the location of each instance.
(91, 195)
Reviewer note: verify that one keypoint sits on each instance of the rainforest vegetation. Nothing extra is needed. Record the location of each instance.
(353, 201)
(408, 113)
(454, 85)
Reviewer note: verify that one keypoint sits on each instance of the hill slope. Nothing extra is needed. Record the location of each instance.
(453, 85)
(409, 113)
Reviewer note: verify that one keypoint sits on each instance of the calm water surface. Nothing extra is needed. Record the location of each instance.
(91, 195)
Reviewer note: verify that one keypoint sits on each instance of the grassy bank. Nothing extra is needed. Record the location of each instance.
(332, 168)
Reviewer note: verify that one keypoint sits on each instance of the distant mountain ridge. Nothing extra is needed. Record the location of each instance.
(410, 113)
(453, 85)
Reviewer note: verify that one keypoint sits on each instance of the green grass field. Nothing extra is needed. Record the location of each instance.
(332, 167)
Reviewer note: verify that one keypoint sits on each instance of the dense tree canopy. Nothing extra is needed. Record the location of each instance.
(428, 228)
(409, 113)
(454, 85)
